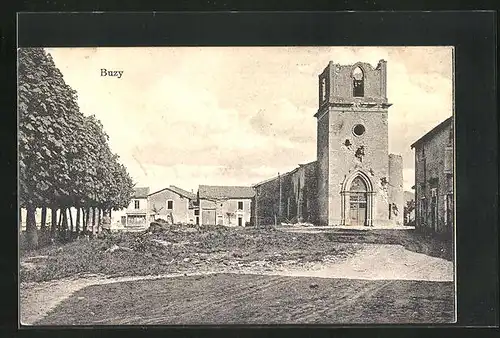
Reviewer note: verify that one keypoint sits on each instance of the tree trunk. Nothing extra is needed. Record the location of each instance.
(53, 220)
(65, 223)
(99, 220)
(60, 220)
(93, 221)
(77, 221)
(72, 229)
(31, 231)
(87, 218)
(43, 226)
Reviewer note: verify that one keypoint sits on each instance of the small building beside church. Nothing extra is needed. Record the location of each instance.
(287, 198)
(434, 165)
(354, 181)
(225, 205)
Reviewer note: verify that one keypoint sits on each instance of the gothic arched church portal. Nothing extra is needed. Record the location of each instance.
(354, 181)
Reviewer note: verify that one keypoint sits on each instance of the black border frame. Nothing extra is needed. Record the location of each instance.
(472, 33)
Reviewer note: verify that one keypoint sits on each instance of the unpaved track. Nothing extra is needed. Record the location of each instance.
(373, 262)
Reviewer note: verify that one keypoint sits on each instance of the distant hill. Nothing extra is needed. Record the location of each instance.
(408, 196)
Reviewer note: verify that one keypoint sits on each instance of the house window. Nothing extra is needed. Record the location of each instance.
(196, 212)
(170, 205)
(358, 83)
(240, 205)
(136, 204)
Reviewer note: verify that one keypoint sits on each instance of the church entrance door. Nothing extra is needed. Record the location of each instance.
(358, 208)
(358, 202)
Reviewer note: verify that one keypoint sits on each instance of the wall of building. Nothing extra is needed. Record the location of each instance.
(207, 212)
(340, 77)
(396, 195)
(323, 163)
(179, 214)
(298, 197)
(343, 160)
(429, 173)
(227, 211)
(338, 114)
(266, 202)
(143, 205)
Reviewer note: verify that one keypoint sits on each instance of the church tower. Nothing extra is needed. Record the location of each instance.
(359, 183)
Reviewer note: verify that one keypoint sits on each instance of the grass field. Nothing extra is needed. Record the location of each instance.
(183, 249)
(265, 276)
(254, 299)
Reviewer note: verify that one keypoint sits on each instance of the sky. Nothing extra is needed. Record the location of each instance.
(187, 116)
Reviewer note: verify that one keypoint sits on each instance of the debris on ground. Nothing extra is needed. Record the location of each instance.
(180, 248)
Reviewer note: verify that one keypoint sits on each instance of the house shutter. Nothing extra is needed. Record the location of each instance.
(448, 160)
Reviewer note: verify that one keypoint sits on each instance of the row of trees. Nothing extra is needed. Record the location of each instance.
(64, 156)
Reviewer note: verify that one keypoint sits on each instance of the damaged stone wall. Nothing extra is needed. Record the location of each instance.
(298, 197)
(366, 152)
(340, 81)
(323, 163)
(353, 136)
(430, 173)
(396, 195)
(303, 194)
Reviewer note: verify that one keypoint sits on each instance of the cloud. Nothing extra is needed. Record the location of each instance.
(239, 115)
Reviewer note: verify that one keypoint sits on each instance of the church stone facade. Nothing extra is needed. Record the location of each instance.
(355, 181)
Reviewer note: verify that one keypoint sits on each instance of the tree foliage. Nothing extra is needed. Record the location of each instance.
(64, 156)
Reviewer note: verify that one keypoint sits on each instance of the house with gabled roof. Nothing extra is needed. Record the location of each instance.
(136, 213)
(434, 184)
(225, 205)
(173, 205)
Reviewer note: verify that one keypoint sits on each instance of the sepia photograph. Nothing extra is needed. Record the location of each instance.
(236, 185)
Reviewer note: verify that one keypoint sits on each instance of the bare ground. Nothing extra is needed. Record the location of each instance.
(256, 299)
(415, 281)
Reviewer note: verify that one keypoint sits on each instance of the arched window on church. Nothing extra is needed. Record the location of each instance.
(358, 83)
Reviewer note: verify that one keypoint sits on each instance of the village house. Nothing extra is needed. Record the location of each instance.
(136, 214)
(173, 205)
(354, 181)
(434, 179)
(225, 205)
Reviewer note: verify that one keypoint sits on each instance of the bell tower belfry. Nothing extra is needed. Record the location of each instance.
(352, 146)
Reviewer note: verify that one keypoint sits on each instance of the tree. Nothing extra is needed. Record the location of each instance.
(408, 208)
(46, 109)
(156, 210)
(229, 215)
(64, 157)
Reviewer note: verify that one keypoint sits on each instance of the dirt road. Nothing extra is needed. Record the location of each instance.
(371, 274)
(256, 299)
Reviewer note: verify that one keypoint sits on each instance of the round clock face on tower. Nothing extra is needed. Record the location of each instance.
(358, 130)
